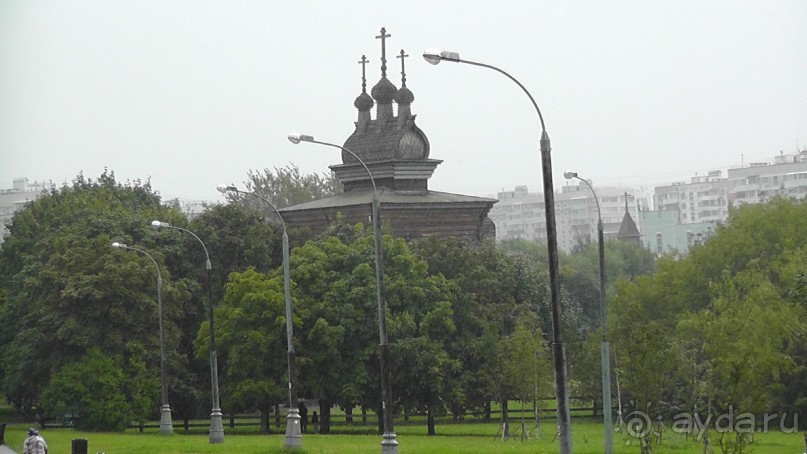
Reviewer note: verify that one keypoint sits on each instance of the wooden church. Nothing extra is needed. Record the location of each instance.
(396, 152)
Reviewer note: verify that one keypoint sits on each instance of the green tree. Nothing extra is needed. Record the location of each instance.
(336, 290)
(98, 395)
(722, 326)
(67, 291)
(287, 186)
(251, 333)
(237, 238)
(527, 369)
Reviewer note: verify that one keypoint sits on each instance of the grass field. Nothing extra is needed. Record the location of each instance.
(457, 438)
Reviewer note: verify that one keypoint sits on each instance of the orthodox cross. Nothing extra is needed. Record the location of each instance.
(383, 37)
(403, 71)
(626, 200)
(363, 62)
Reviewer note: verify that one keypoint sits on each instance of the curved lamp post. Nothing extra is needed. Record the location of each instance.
(558, 349)
(216, 424)
(166, 425)
(293, 438)
(605, 354)
(389, 445)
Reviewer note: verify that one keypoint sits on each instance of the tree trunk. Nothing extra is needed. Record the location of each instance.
(505, 419)
(265, 420)
(380, 419)
(324, 416)
(349, 415)
(535, 412)
(363, 415)
(277, 415)
(430, 421)
(486, 413)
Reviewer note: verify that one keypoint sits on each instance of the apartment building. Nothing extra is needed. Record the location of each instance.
(786, 175)
(521, 214)
(12, 200)
(704, 199)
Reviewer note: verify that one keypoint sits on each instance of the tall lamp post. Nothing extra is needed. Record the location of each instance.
(294, 437)
(166, 425)
(605, 354)
(216, 424)
(558, 349)
(389, 444)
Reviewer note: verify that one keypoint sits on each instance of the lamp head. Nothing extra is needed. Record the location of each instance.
(569, 174)
(117, 245)
(225, 188)
(156, 225)
(296, 137)
(435, 56)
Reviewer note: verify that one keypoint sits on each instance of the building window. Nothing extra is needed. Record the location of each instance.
(659, 243)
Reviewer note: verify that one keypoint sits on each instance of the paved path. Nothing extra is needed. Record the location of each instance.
(6, 450)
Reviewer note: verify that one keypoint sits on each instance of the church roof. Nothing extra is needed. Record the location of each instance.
(387, 197)
(628, 229)
(383, 142)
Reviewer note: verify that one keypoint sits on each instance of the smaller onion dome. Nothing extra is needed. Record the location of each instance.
(404, 96)
(363, 102)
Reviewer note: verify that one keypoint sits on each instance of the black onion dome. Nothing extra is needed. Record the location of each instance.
(363, 102)
(404, 96)
(384, 91)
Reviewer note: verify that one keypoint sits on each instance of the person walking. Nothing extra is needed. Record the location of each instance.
(34, 444)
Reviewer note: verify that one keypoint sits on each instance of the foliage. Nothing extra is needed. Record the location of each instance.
(67, 291)
(251, 335)
(97, 394)
(336, 290)
(719, 329)
(287, 186)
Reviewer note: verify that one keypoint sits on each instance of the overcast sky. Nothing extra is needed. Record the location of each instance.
(195, 93)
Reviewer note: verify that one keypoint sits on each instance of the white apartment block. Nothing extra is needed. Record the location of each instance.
(12, 200)
(761, 181)
(521, 214)
(703, 199)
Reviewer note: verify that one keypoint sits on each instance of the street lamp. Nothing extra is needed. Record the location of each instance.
(605, 354)
(166, 425)
(294, 437)
(216, 424)
(558, 349)
(389, 445)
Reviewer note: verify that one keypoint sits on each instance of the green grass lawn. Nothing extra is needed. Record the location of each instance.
(455, 438)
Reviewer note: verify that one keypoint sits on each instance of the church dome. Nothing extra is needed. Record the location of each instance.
(404, 96)
(363, 102)
(384, 91)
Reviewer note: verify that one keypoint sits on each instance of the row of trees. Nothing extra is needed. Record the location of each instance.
(722, 330)
(468, 324)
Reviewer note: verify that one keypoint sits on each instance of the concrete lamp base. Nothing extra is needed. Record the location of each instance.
(389, 445)
(294, 437)
(166, 425)
(216, 427)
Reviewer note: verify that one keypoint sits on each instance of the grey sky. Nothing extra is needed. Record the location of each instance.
(196, 93)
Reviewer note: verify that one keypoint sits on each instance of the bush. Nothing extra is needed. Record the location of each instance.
(93, 390)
